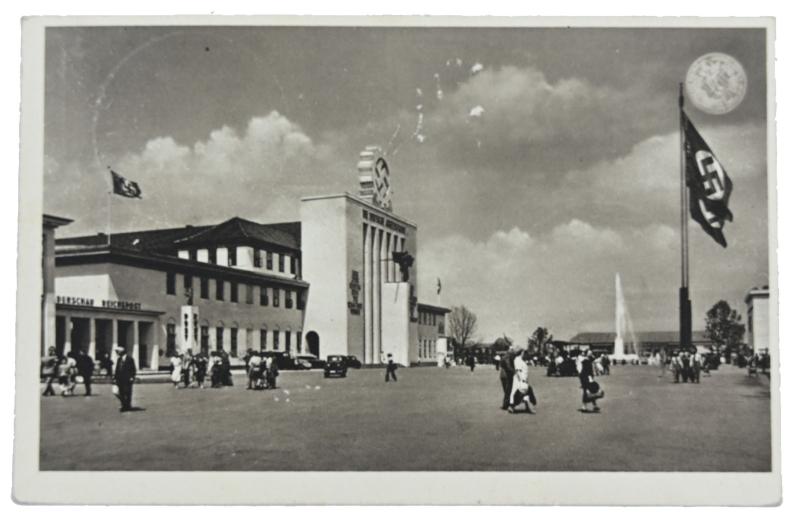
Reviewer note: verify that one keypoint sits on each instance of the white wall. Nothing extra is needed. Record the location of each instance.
(222, 256)
(395, 323)
(93, 286)
(761, 322)
(325, 268)
(244, 257)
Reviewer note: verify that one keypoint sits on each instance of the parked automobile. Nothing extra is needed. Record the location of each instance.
(336, 365)
(351, 361)
(283, 359)
(312, 360)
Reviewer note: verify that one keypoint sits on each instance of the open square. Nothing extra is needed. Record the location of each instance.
(431, 419)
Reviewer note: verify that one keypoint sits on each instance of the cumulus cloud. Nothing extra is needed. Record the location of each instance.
(242, 167)
(563, 278)
(550, 124)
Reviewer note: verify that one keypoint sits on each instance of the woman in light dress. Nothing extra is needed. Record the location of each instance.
(521, 390)
(177, 364)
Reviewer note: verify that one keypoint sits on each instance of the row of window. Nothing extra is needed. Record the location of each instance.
(219, 291)
(428, 318)
(426, 349)
(261, 258)
(281, 341)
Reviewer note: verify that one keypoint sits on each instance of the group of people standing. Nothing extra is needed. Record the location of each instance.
(76, 367)
(68, 370)
(191, 370)
(687, 365)
(262, 371)
(517, 389)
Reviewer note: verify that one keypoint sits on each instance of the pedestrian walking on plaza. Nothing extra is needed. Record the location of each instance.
(49, 371)
(66, 374)
(216, 369)
(177, 367)
(675, 366)
(271, 370)
(686, 365)
(124, 375)
(106, 364)
(586, 378)
(390, 369)
(254, 372)
(86, 370)
(225, 369)
(471, 362)
(606, 362)
(187, 367)
(697, 364)
(521, 390)
(507, 374)
(200, 369)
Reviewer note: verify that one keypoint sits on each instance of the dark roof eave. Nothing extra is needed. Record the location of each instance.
(104, 253)
(433, 308)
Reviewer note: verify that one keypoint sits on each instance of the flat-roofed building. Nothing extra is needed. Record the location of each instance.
(757, 302)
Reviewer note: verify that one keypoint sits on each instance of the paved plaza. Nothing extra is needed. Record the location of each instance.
(431, 419)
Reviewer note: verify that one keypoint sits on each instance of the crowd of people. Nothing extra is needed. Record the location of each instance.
(262, 371)
(687, 365)
(517, 388)
(191, 370)
(67, 370)
(564, 363)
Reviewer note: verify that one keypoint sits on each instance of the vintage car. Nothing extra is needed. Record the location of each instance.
(352, 362)
(307, 361)
(336, 365)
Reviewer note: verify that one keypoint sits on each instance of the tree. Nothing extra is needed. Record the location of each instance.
(724, 327)
(463, 324)
(539, 340)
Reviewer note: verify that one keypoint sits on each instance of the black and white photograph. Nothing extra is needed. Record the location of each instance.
(403, 247)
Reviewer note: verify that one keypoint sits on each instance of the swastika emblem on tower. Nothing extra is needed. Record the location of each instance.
(373, 171)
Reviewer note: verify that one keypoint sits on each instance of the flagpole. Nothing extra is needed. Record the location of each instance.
(685, 304)
(108, 212)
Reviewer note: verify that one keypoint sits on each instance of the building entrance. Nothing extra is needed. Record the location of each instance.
(312, 340)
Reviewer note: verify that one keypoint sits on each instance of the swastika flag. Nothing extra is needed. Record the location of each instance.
(709, 186)
(125, 187)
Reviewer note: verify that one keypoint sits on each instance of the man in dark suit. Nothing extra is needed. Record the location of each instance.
(124, 375)
(85, 370)
(507, 374)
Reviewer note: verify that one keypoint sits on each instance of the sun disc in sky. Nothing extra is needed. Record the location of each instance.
(716, 83)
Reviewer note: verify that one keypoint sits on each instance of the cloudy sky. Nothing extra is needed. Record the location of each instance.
(537, 163)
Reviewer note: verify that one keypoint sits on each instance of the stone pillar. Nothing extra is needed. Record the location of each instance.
(376, 296)
(67, 334)
(387, 255)
(292, 345)
(135, 348)
(152, 340)
(368, 294)
(391, 264)
(114, 339)
(92, 351)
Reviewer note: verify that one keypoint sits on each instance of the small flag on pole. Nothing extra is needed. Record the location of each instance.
(709, 186)
(125, 187)
(438, 286)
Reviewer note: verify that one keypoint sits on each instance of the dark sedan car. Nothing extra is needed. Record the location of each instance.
(336, 365)
(308, 362)
(352, 362)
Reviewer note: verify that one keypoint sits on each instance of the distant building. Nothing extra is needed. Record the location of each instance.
(339, 281)
(648, 342)
(757, 301)
(432, 331)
